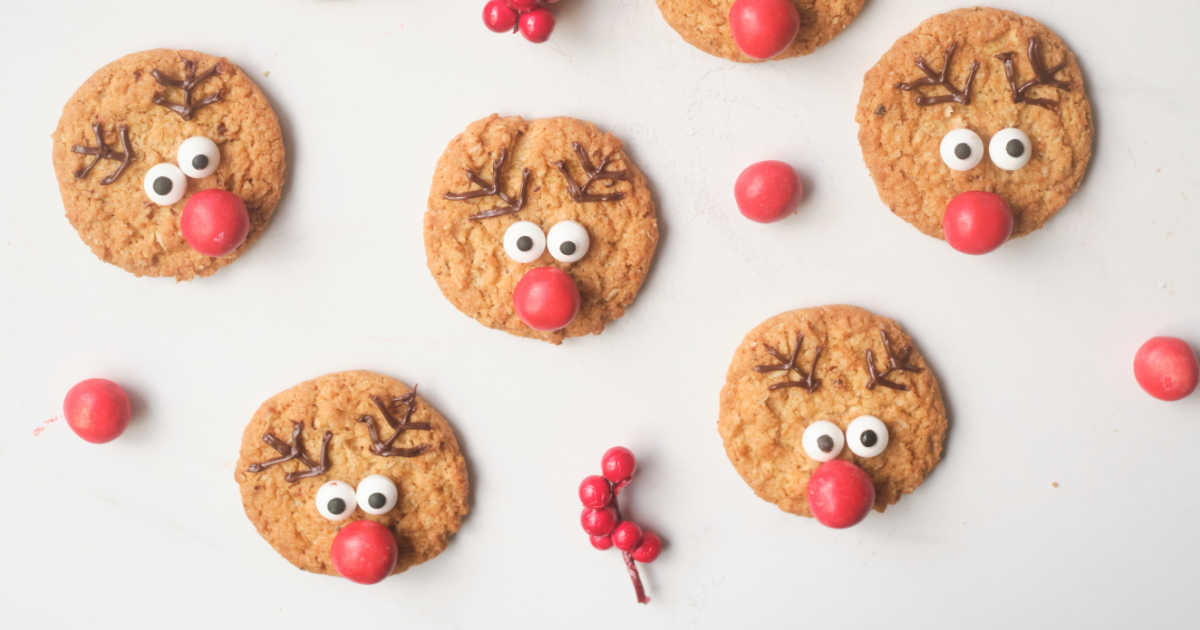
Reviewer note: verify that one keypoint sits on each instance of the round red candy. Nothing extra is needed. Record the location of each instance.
(598, 521)
(1166, 368)
(618, 464)
(97, 410)
(626, 536)
(594, 492)
(546, 299)
(214, 222)
(498, 16)
(977, 222)
(649, 548)
(767, 191)
(840, 494)
(764, 28)
(364, 552)
(536, 25)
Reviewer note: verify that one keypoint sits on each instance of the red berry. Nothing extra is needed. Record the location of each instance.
(601, 542)
(1166, 368)
(595, 492)
(364, 552)
(214, 222)
(522, 5)
(840, 494)
(598, 521)
(536, 25)
(767, 191)
(627, 536)
(546, 298)
(977, 222)
(618, 464)
(651, 546)
(97, 410)
(498, 16)
(764, 28)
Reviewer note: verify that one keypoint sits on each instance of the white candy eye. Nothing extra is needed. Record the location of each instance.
(962, 150)
(1010, 149)
(199, 157)
(823, 440)
(568, 241)
(165, 184)
(377, 495)
(866, 436)
(524, 242)
(335, 500)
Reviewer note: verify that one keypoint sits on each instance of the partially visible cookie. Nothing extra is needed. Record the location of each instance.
(705, 25)
(135, 113)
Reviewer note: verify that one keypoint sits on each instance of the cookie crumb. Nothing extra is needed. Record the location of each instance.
(1053, 484)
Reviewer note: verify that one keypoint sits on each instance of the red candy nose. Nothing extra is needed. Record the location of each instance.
(364, 552)
(840, 494)
(546, 299)
(214, 222)
(976, 222)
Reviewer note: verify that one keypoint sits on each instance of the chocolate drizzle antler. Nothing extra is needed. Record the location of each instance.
(788, 364)
(487, 189)
(594, 173)
(384, 447)
(942, 78)
(893, 363)
(295, 450)
(187, 109)
(1041, 76)
(104, 152)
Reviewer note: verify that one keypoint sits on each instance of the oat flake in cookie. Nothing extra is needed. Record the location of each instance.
(150, 131)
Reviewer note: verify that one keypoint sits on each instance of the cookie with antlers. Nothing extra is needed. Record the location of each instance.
(169, 162)
(354, 474)
(977, 115)
(831, 411)
(542, 228)
(754, 30)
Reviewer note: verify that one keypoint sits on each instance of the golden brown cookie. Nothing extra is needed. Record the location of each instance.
(334, 418)
(832, 364)
(986, 72)
(134, 114)
(521, 211)
(705, 25)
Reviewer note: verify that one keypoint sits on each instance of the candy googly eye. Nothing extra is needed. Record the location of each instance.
(199, 157)
(377, 495)
(866, 436)
(335, 500)
(524, 242)
(962, 150)
(165, 184)
(568, 241)
(1010, 149)
(823, 440)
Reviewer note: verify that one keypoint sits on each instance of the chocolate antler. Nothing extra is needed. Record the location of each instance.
(1041, 76)
(580, 193)
(295, 451)
(187, 109)
(104, 152)
(893, 363)
(385, 448)
(788, 364)
(487, 189)
(942, 78)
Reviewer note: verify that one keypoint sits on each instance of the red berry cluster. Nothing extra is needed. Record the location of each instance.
(602, 519)
(532, 17)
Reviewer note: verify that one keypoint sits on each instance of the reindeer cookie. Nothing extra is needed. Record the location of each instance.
(170, 163)
(353, 474)
(543, 228)
(830, 411)
(711, 25)
(976, 108)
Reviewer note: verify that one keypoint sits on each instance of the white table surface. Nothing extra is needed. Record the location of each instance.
(1033, 343)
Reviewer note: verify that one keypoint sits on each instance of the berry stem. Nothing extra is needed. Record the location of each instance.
(630, 565)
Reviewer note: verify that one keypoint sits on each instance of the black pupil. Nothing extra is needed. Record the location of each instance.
(567, 248)
(162, 185)
(376, 500)
(524, 243)
(825, 443)
(336, 506)
(200, 162)
(962, 151)
(868, 438)
(1015, 148)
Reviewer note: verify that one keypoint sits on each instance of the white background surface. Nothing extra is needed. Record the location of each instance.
(1033, 343)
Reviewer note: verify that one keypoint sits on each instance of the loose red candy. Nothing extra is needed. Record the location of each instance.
(536, 25)
(767, 191)
(214, 222)
(977, 222)
(1166, 368)
(764, 28)
(364, 552)
(840, 494)
(618, 464)
(546, 298)
(649, 548)
(598, 521)
(97, 410)
(626, 536)
(595, 492)
(498, 16)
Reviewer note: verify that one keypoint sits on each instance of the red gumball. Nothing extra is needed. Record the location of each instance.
(498, 16)
(536, 25)
(546, 299)
(977, 222)
(618, 464)
(97, 410)
(840, 494)
(626, 536)
(364, 552)
(1166, 368)
(767, 191)
(649, 548)
(764, 28)
(598, 521)
(214, 222)
(595, 492)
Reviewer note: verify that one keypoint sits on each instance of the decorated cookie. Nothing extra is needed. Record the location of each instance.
(976, 114)
(170, 162)
(353, 474)
(543, 228)
(753, 30)
(830, 411)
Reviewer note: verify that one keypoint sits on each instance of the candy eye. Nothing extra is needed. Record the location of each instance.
(377, 495)
(823, 440)
(1010, 149)
(962, 150)
(867, 436)
(568, 241)
(165, 184)
(199, 157)
(524, 242)
(335, 500)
